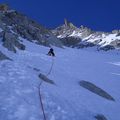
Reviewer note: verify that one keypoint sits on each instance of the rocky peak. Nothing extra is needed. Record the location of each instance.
(66, 22)
(83, 37)
(116, 31)
(66, 29)
(69, 24)
(70, 30)
(4, 7)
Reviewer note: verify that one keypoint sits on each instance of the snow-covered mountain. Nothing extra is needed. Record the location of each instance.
(77, 84)
(83, 37)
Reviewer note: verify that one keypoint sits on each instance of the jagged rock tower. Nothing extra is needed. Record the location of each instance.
(4, 7)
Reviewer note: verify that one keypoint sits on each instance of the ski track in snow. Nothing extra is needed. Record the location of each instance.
(66, 100)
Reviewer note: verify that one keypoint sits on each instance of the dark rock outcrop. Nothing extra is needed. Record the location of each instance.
(45, 79)
(116, 43)
(4, 7)
(70, 41)
(3, 57)
(84, 44)
(10, 41)
(106, 48)
(100, 117)
(29, 29)
(93, 88)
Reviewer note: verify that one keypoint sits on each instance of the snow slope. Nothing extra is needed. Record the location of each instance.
(66, 99)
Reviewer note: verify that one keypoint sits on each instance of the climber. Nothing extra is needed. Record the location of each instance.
(51, 52)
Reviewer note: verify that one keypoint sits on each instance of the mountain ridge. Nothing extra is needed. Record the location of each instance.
(76, 84)
(14, 25)
(83, 37)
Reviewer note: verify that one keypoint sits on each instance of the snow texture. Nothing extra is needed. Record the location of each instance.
(66, 100)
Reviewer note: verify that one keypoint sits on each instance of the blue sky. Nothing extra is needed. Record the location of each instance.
(101, 15)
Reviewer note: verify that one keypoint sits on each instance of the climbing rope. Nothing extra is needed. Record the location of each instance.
(40, 96)
(49, 72)
(42, 106)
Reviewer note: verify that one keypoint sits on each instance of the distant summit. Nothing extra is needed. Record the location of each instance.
(83, 37)
(4, 7)
(68, 24)
(14, 25)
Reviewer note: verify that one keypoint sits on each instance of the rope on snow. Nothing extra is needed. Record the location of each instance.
(50, 67)
(42, 106)
(40, 96)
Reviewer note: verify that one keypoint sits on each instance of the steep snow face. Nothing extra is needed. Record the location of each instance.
(66, 99)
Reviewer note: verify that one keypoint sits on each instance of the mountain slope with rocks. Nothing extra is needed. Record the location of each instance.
(14, 25)
(77, 84)
(84, 37)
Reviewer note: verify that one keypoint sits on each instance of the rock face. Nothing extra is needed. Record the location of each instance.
(10, 41)
(4, 7)
(69, 34)
(3, 57)
(68, 30)
(14, 25)
(93, 88)
(45, 79)
(100, 117)
(23, 25)
(84, 37)
(65, 30)
(70, 41)
(106, 48)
